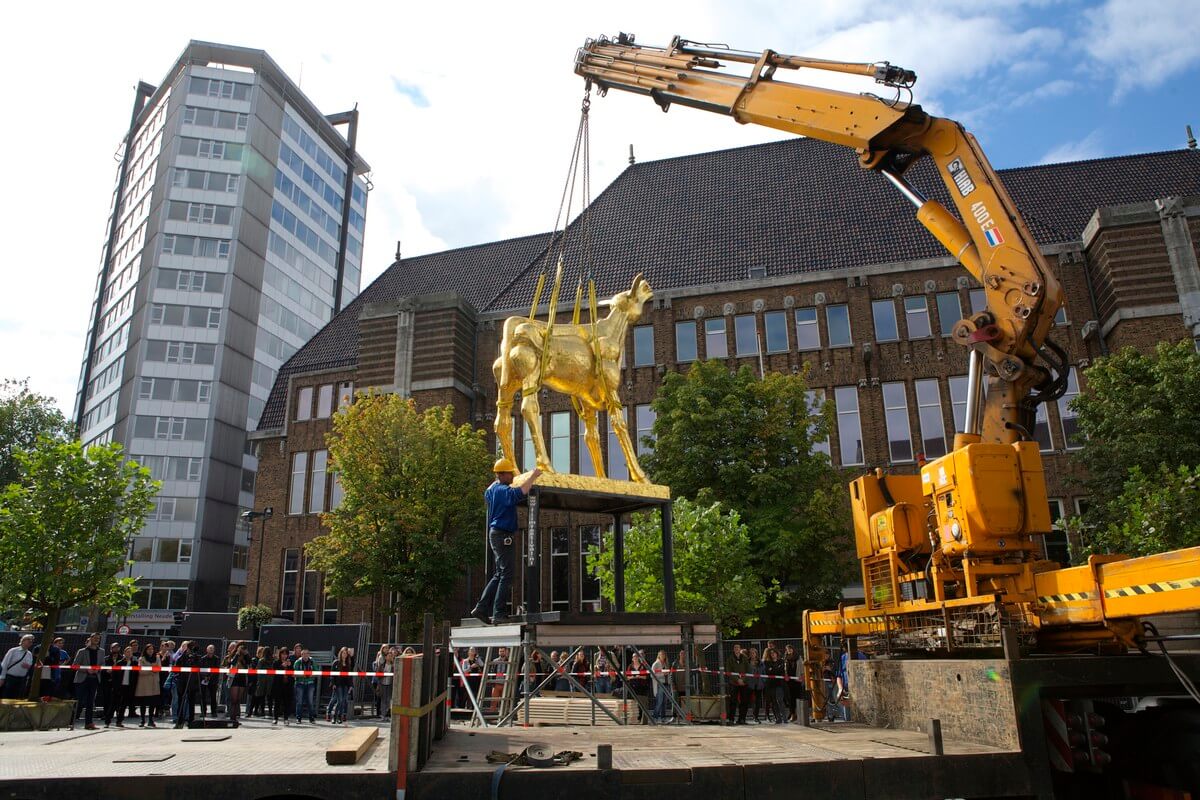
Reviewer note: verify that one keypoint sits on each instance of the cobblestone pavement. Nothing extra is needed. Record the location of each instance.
(257, 747)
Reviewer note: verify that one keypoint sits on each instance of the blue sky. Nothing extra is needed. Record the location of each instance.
(468, 110)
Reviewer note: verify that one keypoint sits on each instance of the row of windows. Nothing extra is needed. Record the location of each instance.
(309, 146)
(557, 435)
(116, 312)
(171, 352)
(162, 551)
(310, 177)
(179, 429)
(190, 280)
(105, 377)
(324, 395)
(175, 389)
(110, 345)
(302, 201)
(307, 236)
(173, 509)
(310, 470)
(291, 289)
(286, 318)
(125, 253)
(204, 181)
(215, 118)
(100, 411)
(172, 468)
(205, 213)
(161, 594)
(210, 148)
(212, 87)
(273, 346)
(185, 316)
(262, 375)
(198, 246)
(312, 272)
(304, 585)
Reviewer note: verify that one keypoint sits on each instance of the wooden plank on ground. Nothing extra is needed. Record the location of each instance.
(351, 747)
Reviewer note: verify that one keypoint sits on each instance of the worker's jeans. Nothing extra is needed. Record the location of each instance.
(85, 695)
(497, 592)
(305, 698)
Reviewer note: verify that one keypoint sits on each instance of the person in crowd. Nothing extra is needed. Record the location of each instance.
(841, 678)
(385, 662)
(306, 687)
(224, 679)
(251, 681)
(795, 682)
(831, 712)
(56, 655)
(775, 669)
(282, 687)
(261, 691)
(187, 683)
(755, 683)
(207, 681)
(561, 683)
(165, 650)
(473, 667)
(679, 675)
(739, 685)
(147, 691)
(87, 681)
(109, 679)
(15, 667)
(638, 680)
(580, 671)
(342, 685)
(661, 672)
(237, 663)
(495, 678)
(602, 670)
(124, 684)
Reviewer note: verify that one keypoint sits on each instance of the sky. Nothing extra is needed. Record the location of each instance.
(468, 110)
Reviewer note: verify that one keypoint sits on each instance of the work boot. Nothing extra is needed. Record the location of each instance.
(479, 614)
(501, 619)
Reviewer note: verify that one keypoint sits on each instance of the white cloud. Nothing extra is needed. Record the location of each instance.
(1143, 43)
(1090, 146)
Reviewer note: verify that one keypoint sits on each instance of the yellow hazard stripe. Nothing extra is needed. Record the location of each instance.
(1152, 588)
(1070, 597)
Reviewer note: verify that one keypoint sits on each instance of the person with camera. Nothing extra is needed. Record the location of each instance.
(187, 683)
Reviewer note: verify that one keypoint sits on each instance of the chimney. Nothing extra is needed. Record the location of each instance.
(633, 160)
(1191, 139)
(397, 249)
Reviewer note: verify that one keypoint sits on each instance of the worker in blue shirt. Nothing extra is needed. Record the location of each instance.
(502, 499)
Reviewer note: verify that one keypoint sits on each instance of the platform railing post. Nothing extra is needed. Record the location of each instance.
(668, 553)
(533, 555)
(618, 565)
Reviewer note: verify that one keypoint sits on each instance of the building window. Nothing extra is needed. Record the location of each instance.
(884, 314)
(838, 319)
(589, 584)
(1041, 429)
(808, 333)
(336, 492)
(645, 416)
(560, 549)
(849, 426)
(929, 414)
(142, 548)
(617, 468)
(1070, 419)
(949, 309)
(895, 413)
(560, 441)
(685, 341)
(325, 401)
(916, 317)
(304, 399)
(329, 615)
(816, 409)
(643, 346)
(1060, 316)
(715, 345)
(745, 334)
(312, 590)
(775, 323)
(345, 395)
(958, 402)
(299, 468)
(1055, 545)
(241, 556)
(291, 576)
(528, 453)
(316, 498)
(161, 595)
(978, 298)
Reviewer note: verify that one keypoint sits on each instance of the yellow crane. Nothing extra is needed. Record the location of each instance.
(948, 557)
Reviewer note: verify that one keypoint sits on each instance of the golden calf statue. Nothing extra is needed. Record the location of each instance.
(582, 361)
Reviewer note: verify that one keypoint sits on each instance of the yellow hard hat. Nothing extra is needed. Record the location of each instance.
(503, 465)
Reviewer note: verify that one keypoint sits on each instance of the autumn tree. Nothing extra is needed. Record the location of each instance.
(749, 442)
(713, 574)
(412, 511)
(24, 416)
(64, 523)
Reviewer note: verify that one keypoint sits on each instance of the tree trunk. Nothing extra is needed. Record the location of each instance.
(47, 637)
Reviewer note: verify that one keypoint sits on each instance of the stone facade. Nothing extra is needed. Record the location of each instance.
(1124, 281)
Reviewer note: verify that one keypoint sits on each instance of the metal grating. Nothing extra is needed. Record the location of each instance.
(879, 582)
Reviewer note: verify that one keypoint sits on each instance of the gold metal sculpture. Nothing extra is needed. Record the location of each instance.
(579, 360)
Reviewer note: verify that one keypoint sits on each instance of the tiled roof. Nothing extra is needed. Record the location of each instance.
(801, 205)
(792, 206)
(477, 273)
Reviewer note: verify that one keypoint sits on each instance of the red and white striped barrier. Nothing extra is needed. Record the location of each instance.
(225, 670)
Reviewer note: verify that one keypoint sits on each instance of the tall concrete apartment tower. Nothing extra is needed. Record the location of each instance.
(235, 233)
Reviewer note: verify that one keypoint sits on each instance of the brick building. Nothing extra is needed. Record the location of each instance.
(783, 256)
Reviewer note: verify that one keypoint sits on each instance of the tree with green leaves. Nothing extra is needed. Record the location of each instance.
(713, 574)
(25, 416)
(412, 510)
(1140, 424)
(749, 442)
(1154, 513)
(64, 527)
